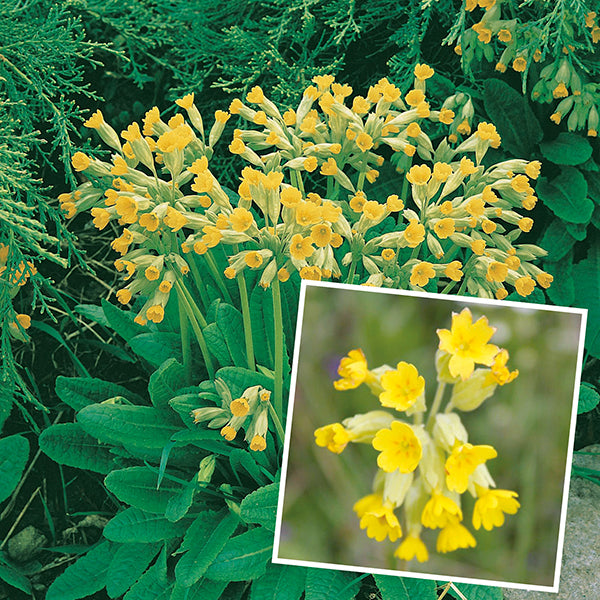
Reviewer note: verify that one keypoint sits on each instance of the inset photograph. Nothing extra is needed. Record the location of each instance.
(429, 435)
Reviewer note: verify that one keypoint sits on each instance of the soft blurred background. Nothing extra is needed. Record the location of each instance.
(527, 421)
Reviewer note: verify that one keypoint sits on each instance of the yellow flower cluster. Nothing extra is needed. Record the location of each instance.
(425, 467)
(250, 411)
(517, 41)
(14, 278)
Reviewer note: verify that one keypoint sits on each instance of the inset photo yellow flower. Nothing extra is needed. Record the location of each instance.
(429, 435)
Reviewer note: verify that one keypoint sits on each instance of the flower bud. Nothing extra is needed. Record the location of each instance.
(448, 430)
(471, 393)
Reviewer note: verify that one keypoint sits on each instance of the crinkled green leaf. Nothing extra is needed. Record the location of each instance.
(239, 379)
(323, 584)
(567, 149)
(588, 398)
(136, 486)
(68, 444)
(15, 578)
(402, 588)
(179, 505)
(244, 556)
(84, 577)
(280, 582)
(587, 291)
(153, 583)
(261, 506)
(215, 340)
(157, 347)
(14, 452)
(556, 240)
(122, 321)
(230, 323)
(128, 563)
(136, 526)
(242, 459)
(562, 289)
(79, 392)
(204, 541)
(479, 592)
(566, 196)
(165, 382)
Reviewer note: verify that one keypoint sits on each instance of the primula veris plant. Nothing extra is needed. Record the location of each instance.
(425, 460)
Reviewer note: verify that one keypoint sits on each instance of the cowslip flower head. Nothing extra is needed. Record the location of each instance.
(402, 387)
(465, 458)
(352, 370)
(491, 505)
(454, 536)
(378, 518)
(467, 343)
(412, 547)
(500, 373)
(440, 511)
(399, 448)
(334, 437)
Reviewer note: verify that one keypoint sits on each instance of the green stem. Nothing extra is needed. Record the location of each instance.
(247, 320)
(185, 342)
(437, 400)
(351, 272)
(199, 285)
(191, 313)
(212, 267)
(277, 423)
(278, 330)
(197, 313)
(449, 287)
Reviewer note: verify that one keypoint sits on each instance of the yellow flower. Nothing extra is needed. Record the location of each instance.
(175, 139)
(300, 247)
(360, 105)
(333, 437)
(353, 370)
(228, 432)
(95, 121)
(444, 228)
(446, 116)
(329, 167)
(496, 271)
(412, 547)
(378, 518)
(421, 274)
(467, 342)
(544, 279)
(414, 233)
(419, 174)
(500, 374)
(258, 443)
(504, 35)
(149, 221)
(132, 133)
(423, 72)
(491, 505)
(186, 102)
(524, 285)
(560, 91)
(152, 273)
(122, 243)
(413, 130)
(393, 203)
(321, 235)
(155, 313)
(373, 210)
(364, 141)
(358, 202)
(440, 511)
(402, 386)
(311, 273)
(533, 169)
(174, 219)
(290, 197)
(253, 259)
(239, 407)
(453, 271)
(307, 213)
(465, 458)
(453, 537)
(519, 64)
(388, 254)
(414, 97)
(237, 147)
(80, 161)
(441, 171)
(399, 447)
(101, 217)
(241, 219)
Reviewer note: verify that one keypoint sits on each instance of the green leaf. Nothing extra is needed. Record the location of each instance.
(562, 289)
(153, 583)
(205, 539)
(93, 312)
(126, 566)
(238, 379)
(230, 323)
(261, 506)
(15, 578)
(322, 584)
(557, 240)
(205, 589)
(136, 526)
(587, 291)
(242, 459)
(83, 578)
(215, 341)
(179, 505)
(14, 452)
(137, 486)
(588, 398)
(120, 424)
(593, 180)
(567, 149)
(262, 327)
(403, 588)
(244, 556)
(511, 114)
(566, 196)
(280, 582)
(68, 444)
(78, 392)
(479, 592)
(157, 347)
(122, 321)
(577, 230)
(165, 382)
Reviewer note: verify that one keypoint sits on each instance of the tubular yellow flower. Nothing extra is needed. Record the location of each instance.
(300, 247)
(504, 35)
(321, 235)
(155, 313)
(423, 72)
(500, 374)
(174, 219)
(101, 217)
(446, 116)
(333, 437)
(394, 204)
(290, 197)
(413, 130)
(364, 141)
(360, 105)
(524, 285)
(412, 547)
(399, 447)
(467, 343)
(440, 511)
(95, 121)
(441, 171)
(228, 432)
(373, 210)
(444, 228)
(414, 97)
(491, 505)
(237, 147)
(496, 271)
(239, 407)
(402, 386)
(80, 161)
(421, 274)
(329, 167)
(414, 233)
(241, 219)
(186, 102)
(258, 443)
(388, 254)
(453, 270)
(358, 202)
(253, 259)
(465, 458)
(378, 518)
(519, 64)
(152, 273)
(419, 175)
(453, 537)
(353, 370)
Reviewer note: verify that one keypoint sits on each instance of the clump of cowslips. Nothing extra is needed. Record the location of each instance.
(250, 411)
(14, 280)
(424, 467)
(518, 43)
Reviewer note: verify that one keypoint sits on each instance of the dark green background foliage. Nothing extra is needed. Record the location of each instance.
(527, 421)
